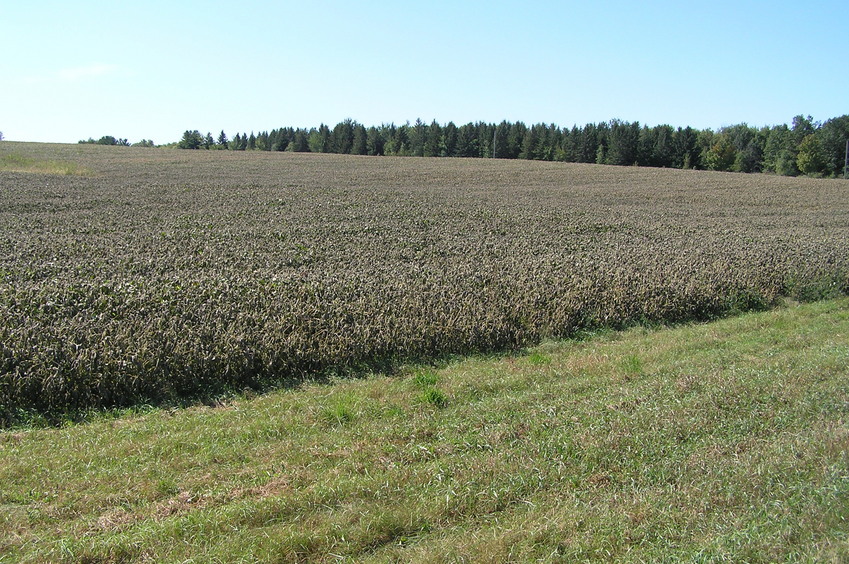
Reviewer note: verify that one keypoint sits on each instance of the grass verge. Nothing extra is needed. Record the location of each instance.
(725, 441)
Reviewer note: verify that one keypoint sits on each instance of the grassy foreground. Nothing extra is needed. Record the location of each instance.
(725, 441)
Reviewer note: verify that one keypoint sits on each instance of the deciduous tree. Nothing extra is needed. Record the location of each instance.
(810, 159)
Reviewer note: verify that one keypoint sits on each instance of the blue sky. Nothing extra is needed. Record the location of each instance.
(152, 69)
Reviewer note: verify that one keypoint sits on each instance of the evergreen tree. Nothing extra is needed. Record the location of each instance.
(591, 138)
(433, 140)
(450, 137)
(551, 141)
(375, 141)
(417, 136)
(319, 139)
(467, 143)
(623, 143)
(301, 141)
(325, 145)
(343, 137)
(684, 152)
(499, 135)
(359, 145)
(833, 135)
(511, 140)
(530, 143)
(486, 136)
(191, 140)
(663, 151)
(806, 147)
(645, 146)
(281, 140)
(601, 155)
(401, 141)
(569, 145)
(262, 141)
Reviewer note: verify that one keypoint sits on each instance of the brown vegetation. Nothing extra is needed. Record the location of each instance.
(174, 274)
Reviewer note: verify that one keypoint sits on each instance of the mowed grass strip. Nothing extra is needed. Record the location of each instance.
(725, 441)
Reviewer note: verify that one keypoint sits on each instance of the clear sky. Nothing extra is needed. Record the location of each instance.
(152, 69)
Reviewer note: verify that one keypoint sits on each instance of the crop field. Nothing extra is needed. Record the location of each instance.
(135, 275)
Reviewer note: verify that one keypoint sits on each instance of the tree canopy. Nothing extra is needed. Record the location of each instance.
(804, 147)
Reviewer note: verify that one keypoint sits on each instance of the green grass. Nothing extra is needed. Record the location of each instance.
(19, 163)
(713, 442)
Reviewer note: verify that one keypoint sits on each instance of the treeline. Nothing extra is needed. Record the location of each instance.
(805, 147)
(110, 140)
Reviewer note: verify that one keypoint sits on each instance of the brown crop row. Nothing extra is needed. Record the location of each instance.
(167, 275)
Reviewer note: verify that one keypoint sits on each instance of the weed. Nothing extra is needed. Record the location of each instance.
(632, 365)
(340, 412)
(434, 397)
(539, 359)
(425, 379)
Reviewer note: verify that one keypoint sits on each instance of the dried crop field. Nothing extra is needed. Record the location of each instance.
(154, 275)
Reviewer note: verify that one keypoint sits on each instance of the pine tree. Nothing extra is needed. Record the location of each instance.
(262, 141)
(449, 134)
(833, 135)
(375, 141)
(343, 137)
(191, 140)
(359, 144)
(433, 140)
(467, 145)
(623, 143)
(301, 141)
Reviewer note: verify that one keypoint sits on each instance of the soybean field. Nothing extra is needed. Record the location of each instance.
(141, 275)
